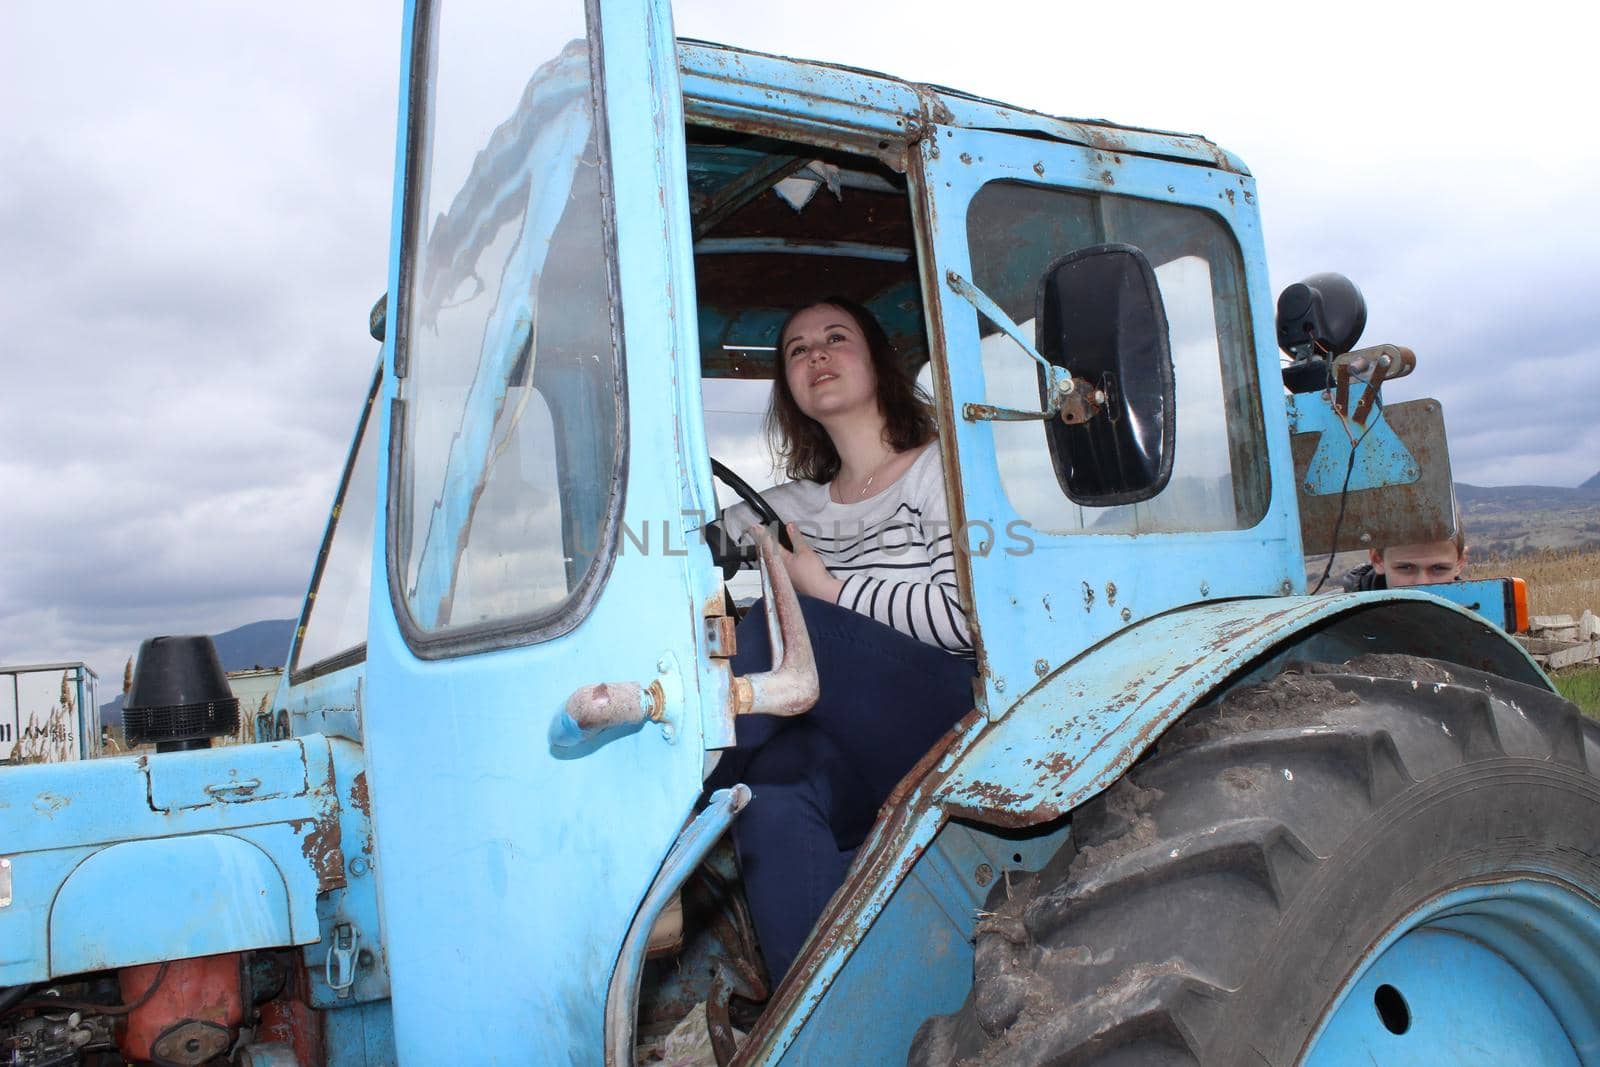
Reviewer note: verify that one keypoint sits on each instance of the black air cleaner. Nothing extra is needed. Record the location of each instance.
(179, 698)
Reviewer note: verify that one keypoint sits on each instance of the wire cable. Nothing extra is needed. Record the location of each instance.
(1344, 491)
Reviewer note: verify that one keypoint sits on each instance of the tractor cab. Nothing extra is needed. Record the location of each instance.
(595, 250)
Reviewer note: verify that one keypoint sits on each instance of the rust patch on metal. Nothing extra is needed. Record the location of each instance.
(322, 844)
(982, 796)
(1005, 818)
(1057, 765)
(359, 797)
(361, 800)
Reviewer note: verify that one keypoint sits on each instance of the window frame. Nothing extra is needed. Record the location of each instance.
(526, 628)
(356, 653)
(1230, 311)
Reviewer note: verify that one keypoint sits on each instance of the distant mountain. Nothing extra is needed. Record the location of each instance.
(255, 644)
(1509, 520)
(1592, 483)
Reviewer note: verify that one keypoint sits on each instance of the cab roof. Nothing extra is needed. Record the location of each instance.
(860, 110)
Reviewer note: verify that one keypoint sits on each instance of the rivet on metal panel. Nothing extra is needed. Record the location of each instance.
(358, 866)
(1205, 588)
(1127, 614)
(1285, 587)
(1038, 168)
(1088, 596)
(966, 157)
(1111, 594)
(983, 875)
(1041, 668)
(999, 684)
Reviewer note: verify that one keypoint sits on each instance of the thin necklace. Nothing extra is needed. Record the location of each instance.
(861, 494)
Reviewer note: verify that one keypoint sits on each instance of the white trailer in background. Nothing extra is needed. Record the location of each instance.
(49, 713)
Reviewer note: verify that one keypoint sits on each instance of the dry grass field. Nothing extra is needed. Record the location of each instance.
(1559, 583)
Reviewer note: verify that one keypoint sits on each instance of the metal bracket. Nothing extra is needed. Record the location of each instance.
(1382, 458)
(720, 639)
(1075, 400)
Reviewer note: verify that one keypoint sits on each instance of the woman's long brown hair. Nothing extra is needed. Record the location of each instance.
(803, 446)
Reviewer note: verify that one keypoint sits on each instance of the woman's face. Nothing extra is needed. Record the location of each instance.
(827, 363)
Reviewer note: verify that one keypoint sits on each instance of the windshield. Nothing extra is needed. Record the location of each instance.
(509, 362)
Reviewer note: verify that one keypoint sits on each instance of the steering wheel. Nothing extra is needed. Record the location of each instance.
(725, 552)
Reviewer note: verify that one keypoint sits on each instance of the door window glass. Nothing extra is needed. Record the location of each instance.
(512, 386)
(1219, 478)
(336, 610)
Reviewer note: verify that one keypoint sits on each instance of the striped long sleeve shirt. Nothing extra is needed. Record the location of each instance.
(894, 551)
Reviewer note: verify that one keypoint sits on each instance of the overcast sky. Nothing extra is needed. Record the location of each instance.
(194, 206)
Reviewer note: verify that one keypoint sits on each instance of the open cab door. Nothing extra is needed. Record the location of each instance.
(531, 537)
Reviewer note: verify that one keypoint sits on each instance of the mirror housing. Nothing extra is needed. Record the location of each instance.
(378, 318)
(1318, 320)
(1099, 315)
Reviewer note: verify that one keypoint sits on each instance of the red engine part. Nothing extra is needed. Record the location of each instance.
(186, 1016)
(290, 1019)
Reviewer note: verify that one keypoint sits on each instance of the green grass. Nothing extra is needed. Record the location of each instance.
(1582, 687)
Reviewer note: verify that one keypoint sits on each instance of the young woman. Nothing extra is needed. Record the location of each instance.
(874, 565)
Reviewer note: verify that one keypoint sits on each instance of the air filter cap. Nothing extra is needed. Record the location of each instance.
(179, 694)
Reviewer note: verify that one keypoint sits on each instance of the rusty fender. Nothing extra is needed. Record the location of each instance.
(1085, 724)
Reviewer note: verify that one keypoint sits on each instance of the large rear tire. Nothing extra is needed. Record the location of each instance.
(1223, 902)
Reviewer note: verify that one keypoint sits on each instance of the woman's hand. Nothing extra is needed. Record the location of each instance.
(806, 569)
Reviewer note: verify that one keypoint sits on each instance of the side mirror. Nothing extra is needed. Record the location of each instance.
(1100, 317)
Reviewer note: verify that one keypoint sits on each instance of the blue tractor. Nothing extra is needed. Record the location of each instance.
(1195, 815)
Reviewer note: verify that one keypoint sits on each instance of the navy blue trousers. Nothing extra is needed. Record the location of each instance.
(818, 779)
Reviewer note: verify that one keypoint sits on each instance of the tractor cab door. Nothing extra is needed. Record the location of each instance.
(532, 514)
(1056, 569)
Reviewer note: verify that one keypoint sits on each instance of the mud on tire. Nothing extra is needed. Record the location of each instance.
(1217, 897)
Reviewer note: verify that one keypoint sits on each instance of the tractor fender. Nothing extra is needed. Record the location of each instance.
(1085, 724)
(170, 898)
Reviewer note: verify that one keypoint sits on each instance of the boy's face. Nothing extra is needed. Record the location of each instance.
(1424, 564)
